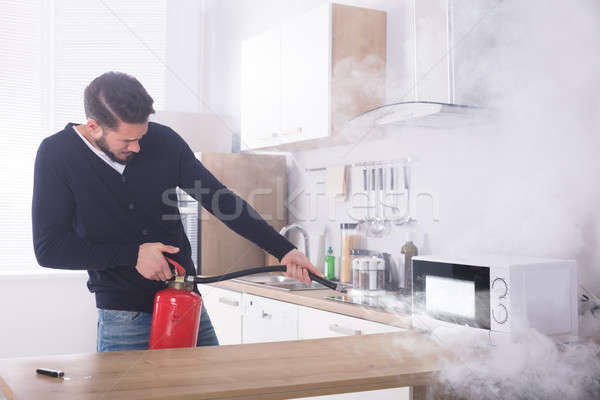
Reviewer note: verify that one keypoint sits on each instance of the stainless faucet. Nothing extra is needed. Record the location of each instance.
(291, 227)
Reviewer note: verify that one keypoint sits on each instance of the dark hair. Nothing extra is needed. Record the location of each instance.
(113, 97)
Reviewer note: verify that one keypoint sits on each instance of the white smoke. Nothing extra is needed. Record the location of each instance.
(539, 75)
(530, 367)
(526, 184)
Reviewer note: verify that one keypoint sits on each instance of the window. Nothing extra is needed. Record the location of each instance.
(49, 51)
(92, 37)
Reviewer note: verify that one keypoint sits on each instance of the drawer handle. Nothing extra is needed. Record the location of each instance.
(229, 302)
(344, 331)
(266, 315)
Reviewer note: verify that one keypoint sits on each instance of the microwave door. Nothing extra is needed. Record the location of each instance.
(453, 293)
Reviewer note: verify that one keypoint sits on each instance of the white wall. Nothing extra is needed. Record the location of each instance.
(184, 89)
(46, 313)
(525, 184)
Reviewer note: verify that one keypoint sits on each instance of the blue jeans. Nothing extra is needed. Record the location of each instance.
(130, 330)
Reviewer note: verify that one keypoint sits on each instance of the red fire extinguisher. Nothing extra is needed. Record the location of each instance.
(176, 314)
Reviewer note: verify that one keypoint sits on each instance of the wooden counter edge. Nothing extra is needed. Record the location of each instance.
(419, 381)
(5, 391)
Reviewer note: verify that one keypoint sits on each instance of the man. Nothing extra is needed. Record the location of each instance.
(97, 205)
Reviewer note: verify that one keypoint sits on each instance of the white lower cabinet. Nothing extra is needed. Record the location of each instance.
(266, 320)
(245, 318)
(315, 324)
(225, 310)
(384, 394)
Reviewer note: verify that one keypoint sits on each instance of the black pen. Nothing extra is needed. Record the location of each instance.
(50, 372)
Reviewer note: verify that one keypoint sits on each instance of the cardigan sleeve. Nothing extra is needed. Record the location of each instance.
(56, 244)
(224, 204)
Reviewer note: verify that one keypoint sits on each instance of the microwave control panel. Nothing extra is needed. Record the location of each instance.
(500, 300)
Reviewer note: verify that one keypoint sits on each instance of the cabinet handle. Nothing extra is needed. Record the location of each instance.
(229, 302)
(344, 331)
(288, 132)
(266, 315)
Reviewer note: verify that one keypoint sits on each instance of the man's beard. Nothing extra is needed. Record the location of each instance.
(104, 147)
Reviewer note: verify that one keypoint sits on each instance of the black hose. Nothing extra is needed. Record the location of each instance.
(259, 270)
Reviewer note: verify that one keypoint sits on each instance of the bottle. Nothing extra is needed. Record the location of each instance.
(329, 264)
(409, 250)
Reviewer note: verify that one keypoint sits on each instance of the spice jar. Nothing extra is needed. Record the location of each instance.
(349, 239)
(376, 273)
(363, 281)
(354, 255)
(381, 274)
(356, 272)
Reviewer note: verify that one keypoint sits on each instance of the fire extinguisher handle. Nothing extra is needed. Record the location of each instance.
(177, 269)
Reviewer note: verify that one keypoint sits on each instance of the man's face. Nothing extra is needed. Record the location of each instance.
(120, 144)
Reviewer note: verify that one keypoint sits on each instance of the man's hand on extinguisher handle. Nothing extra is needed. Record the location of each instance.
(298, 266)
(151, 262)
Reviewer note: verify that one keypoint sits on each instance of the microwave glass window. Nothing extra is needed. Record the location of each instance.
(454, 293)
(450, 296)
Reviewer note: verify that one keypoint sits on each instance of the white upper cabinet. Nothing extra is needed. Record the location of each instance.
(305, 66)
(261, 89)
(291, 80)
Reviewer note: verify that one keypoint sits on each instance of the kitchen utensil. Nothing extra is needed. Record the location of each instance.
(380, 225)
(364, 223)
(406, 217)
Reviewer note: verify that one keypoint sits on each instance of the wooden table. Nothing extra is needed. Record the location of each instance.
(279, 370)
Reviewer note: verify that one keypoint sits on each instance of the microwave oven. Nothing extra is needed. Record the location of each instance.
(496, 294)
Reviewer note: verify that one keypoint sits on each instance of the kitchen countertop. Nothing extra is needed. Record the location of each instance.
(316, 299)
(278, 370)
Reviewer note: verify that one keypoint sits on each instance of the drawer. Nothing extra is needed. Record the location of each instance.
(218, 297)
(266, 320)
(313, 324)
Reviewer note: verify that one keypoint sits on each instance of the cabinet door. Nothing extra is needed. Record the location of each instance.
(384, 394)
(305, 66)
(314, 324)
(224, 308)
(267, 320)
(261, 89)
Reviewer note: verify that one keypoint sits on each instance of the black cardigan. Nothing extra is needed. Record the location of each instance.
(88, 216)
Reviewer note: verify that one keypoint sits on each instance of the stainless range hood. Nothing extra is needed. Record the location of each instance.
(430, 46)
(424, 114)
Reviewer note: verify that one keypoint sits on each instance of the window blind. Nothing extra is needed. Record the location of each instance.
(92, 37)
(20, 125)
(49, 51)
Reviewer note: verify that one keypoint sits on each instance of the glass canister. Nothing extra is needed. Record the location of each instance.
(356, 272)
(356, 254)
(364, 278)
(381, 274)
(376, 273)
(350, 238)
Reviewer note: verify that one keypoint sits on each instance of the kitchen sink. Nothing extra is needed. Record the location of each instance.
(278, 281)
